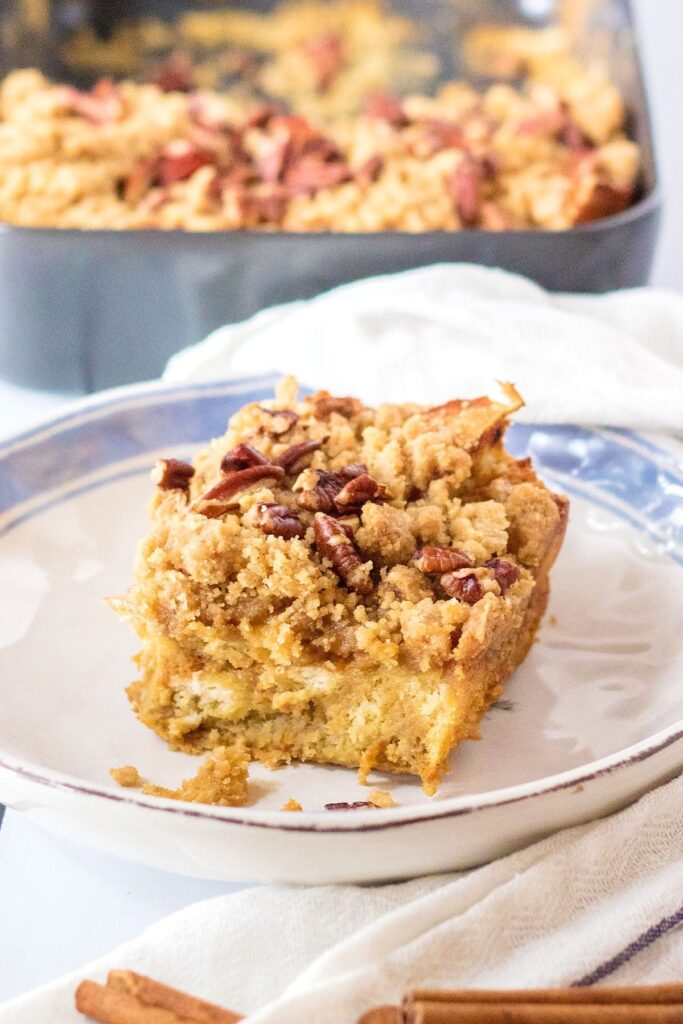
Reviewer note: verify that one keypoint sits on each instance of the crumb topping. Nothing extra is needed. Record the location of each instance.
(221, 779)
(127, 776)
(385, 539)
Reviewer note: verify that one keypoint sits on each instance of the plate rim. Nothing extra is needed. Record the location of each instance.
(341, 821)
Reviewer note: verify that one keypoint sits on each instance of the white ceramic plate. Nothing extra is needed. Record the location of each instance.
(591, 721)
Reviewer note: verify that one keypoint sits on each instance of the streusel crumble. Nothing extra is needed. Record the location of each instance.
(339, 584)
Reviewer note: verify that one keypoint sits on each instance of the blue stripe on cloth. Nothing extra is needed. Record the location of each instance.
(644, 940)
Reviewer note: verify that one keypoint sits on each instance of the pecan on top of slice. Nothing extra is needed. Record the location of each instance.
(173, 475)
(282, 420)
(321, 497)
(291, 456)
(278, 520)
(360, 489)
(216, 500)
(465, 588)
(241, 457)
(432, 559)
(324, 404)
(505, 573)
(332, 542)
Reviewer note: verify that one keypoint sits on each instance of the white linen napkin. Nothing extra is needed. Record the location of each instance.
(598, 903)
(453, 330)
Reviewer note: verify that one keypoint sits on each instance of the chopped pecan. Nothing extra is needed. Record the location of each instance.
(321, 497)
(289, 458)
(343, 805)
(215, 501)
(603, 201)
(173, 475)
(444, 135)
(278, 520)
(386, 107)
(358, 490)
(241, 457)
(465, 588)
(179, 160)
(325, 404)
(310, 173)
(571, 136)
(175, 74)
(441, 560)
(283, 420)
(102, 105)
(326, 55)
(369, 171)
(505, 573)
(272, 161)
(465, 188)
(140, 180)
(261, 116)
(222, 142)
(349, 523)
(333, 543)
(258, 209)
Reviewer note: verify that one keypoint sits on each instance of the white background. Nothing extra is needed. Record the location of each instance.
(62, 905)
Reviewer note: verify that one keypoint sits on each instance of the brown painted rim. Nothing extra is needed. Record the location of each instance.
(464, 805)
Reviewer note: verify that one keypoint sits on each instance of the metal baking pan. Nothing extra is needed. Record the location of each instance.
(83, 310)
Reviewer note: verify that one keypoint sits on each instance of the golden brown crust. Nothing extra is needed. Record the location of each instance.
(276, 642)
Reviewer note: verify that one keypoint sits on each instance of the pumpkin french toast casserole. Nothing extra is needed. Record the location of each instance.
(339, 584)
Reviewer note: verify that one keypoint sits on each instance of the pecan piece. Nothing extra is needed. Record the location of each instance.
(215, 501)
(386, 107)
(175, 74)
(465, 188)
(262, 115)
(309, 174)
(333, 543)
(505, 573)
(358, 490)
(603, 201)
(283, 420)
(102, 105)
(443, 135)
(291, 456)
(325, 404)
(179, 160)
(242, 457)
(278, 520)
(465, 588)
(321, 497)
(326, 55)
(369, 171)
(441, 560)
(140, 180)
(173, 475)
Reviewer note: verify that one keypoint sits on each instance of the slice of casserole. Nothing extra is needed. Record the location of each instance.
(341, 584)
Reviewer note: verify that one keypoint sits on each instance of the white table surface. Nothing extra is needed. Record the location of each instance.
(62, 905)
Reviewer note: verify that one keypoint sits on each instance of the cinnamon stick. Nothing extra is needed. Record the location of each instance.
(130, 998)
(543, 1013)
(645, 994)
(153, 993)
(383, 1015)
